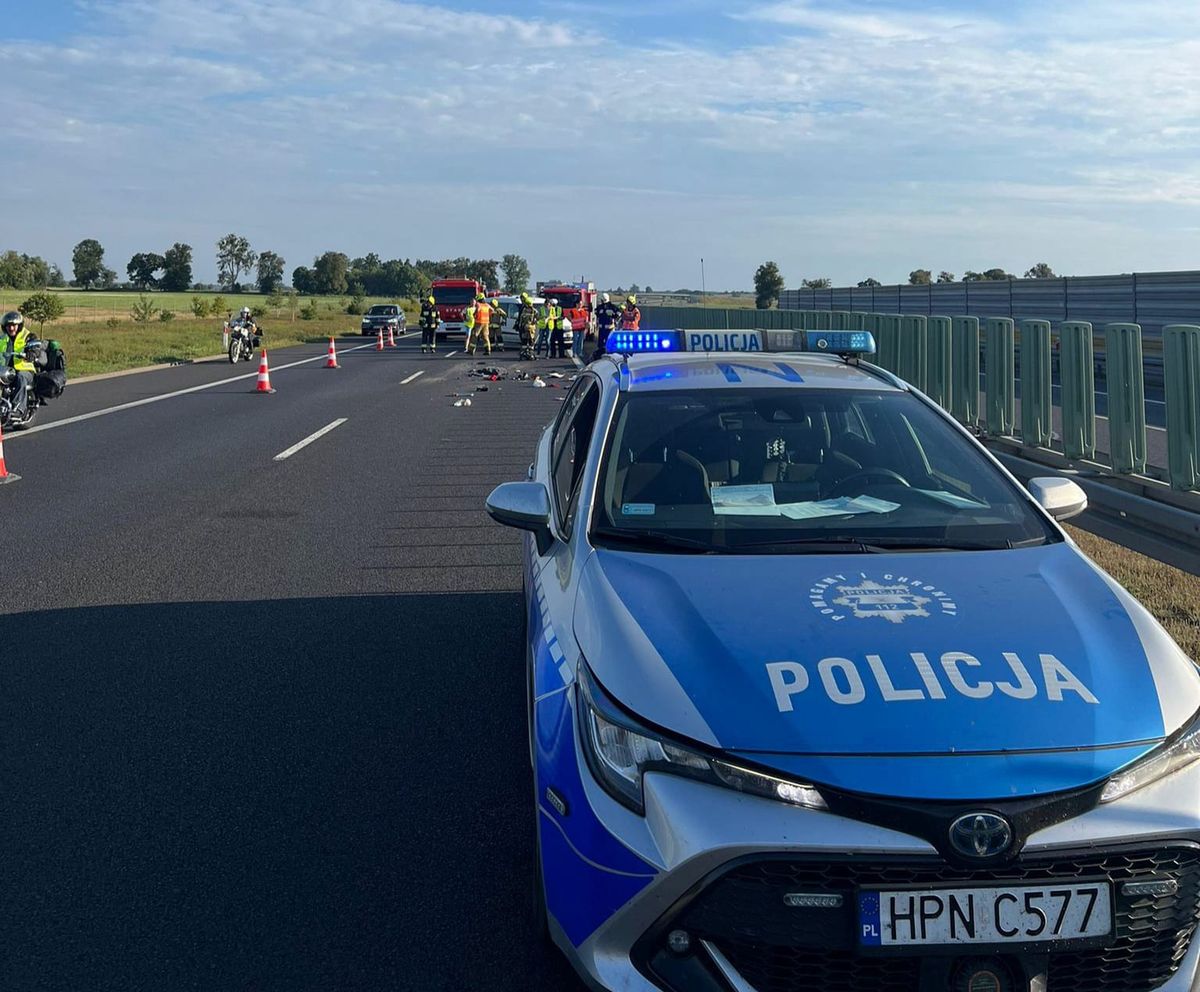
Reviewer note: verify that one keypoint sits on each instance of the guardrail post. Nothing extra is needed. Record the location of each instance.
(914, 349)
(1181, 372)
(858, 321)
(1126, 397)
(1077, 369)
(1000, 388)
(939, 372)
(888, 340)
(964, 378)
(821, 320)
(1037, 403)
(839, 320)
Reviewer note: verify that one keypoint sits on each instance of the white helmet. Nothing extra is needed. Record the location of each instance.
(245, 311)
(603, 297)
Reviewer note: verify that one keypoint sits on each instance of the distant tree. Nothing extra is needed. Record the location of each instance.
(486, 271)
(869, 281)
(996, 275)
(234, 256)
(972, 276)
(920, 277)
(87, 261)
(329, 273)
(108, 278)
(634, 288)
(768, 284)
(945, 276)
(821, 283)
(56, 279)
(302, 279)
(20, 271)
(177, 268)
(1041, 271)
(270, 272)
(516, 274)
(43, 308)
(141, 269)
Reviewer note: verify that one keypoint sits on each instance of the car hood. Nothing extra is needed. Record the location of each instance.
(1021, 660)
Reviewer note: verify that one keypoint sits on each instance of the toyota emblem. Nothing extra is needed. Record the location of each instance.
(981, 835)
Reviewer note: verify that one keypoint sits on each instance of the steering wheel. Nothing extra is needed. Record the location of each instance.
(885, 475)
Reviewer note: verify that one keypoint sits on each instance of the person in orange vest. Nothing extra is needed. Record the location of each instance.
(483, 314)
(631, 316)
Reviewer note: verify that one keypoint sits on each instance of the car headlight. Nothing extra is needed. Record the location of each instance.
(620, 752)
(1170, 757)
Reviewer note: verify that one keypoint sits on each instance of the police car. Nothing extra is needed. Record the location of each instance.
(820, 698)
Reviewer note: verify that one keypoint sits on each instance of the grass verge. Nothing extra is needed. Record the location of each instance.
(1171, 595)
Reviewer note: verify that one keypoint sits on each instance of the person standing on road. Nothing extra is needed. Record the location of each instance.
(469, 327)
(482, 315)
(607, 316)
(15, 342)
(429, 325)
(554, 330)
(496, 325)
(527, 325)
(631, 316)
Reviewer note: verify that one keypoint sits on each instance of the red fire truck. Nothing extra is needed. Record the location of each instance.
(450, 298)
(578, 302)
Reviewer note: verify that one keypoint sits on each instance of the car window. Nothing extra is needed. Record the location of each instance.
(572, 438)
(736, 468)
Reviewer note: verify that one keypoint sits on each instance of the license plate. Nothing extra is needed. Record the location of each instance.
(1019, 914)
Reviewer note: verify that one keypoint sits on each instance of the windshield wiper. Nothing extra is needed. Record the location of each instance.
(835, 543)
(832, 544)
(657, 539)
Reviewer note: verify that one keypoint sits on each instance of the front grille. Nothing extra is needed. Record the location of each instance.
(781, 949)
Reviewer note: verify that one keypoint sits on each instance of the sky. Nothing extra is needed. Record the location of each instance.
(618, 141)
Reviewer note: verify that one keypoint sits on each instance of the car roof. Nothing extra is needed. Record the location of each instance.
(725, 370)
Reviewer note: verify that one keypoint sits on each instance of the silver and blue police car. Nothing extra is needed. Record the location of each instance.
(822, 699)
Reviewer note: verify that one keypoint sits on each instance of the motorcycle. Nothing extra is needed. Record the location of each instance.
(242, 343)
(49, 381)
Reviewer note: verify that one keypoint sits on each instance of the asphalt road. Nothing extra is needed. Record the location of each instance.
(262, 721)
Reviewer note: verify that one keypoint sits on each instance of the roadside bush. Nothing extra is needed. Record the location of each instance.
(143, 310)
(167, 316)
(275, 299)
(43, 308)
(357, 305)
(258, 312)
(217, 306)
(199, 306)
(309, 311)
(113, 323)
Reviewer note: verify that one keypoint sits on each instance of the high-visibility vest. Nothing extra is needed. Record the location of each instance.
(483, 315)
(631, 319)
(469, 316)
(16, 345)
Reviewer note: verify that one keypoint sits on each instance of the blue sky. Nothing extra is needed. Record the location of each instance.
(621, 140)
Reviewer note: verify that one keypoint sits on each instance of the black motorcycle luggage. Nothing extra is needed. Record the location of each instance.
(49, 385)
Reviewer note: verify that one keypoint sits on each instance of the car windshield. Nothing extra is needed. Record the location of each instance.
(568, 301)
(791, 470)
(454, 296)
(383, 311)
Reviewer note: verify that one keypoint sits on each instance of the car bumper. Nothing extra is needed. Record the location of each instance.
(711, 862)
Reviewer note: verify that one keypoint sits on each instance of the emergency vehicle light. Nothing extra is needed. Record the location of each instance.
(644, 342)
(841, 342)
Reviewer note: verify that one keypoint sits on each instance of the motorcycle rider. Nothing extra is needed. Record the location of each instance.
(607, 315)
(16, 340)
(429, 324)
(527, 325)
(631, 316)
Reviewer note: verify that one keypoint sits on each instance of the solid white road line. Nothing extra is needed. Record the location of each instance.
(167, 396)
(415, 375)
(309, 440)
(452, 354)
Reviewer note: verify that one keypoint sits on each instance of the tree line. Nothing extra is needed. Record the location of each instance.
(769, 282)
(332, 273)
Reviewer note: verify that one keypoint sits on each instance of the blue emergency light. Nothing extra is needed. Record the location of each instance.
(644, 342)
(840, 342)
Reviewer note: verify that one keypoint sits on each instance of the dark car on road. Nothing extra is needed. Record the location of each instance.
(383, 317)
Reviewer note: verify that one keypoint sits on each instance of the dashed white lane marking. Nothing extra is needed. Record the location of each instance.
(451, 354)
(309, 440)
(415, 375)
(167, 396)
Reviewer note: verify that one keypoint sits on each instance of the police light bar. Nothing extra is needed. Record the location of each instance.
(644, 342)
(650, 342)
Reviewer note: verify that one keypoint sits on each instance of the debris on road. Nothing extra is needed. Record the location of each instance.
(462, 402)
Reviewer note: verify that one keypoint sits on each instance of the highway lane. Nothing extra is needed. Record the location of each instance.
(269, 731)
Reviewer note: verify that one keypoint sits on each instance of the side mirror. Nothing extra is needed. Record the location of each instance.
(526, 506)
(1061, 498)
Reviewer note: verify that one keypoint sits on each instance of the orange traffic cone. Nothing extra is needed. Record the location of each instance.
(264, 376)
(331, 358)
(391, 337)
(5, 475)
(379, 341)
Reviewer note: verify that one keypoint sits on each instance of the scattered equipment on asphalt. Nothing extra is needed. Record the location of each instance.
(331, 359)
(264, 376)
